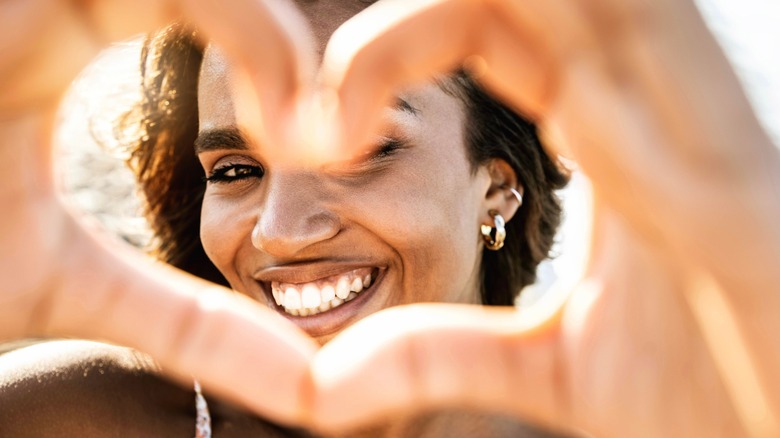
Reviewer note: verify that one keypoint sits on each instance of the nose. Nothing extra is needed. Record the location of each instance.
(294, 215)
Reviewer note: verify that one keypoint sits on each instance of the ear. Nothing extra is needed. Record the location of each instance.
(499, 196)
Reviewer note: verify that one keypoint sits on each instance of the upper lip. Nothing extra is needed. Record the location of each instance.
(306, 272)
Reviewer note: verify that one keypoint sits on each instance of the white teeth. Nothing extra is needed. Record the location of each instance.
(310, 297)
(292, 299)
(315, 297)
(328, 293)
(342, 288)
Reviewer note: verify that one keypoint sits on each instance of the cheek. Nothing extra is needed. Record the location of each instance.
(440, 249)
(224, 227)
(445, 249)
(429, 218)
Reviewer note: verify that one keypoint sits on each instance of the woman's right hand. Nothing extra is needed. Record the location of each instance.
(47, 42)
(630, 100)
(60, 278)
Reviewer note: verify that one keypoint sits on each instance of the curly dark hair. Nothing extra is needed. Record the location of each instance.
(171, 177)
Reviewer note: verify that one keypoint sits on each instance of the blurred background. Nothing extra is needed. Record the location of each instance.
(95, 179)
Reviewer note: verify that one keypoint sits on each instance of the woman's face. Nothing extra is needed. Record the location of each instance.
(328, 245)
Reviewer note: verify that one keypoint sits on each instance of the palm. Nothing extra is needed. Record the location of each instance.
(631, 104)
(623, 353)
(667, 179)
(60, 278)
(635, 360)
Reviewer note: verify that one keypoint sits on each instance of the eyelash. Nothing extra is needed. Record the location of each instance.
(388, 148)
(244, 171)
(240, 172)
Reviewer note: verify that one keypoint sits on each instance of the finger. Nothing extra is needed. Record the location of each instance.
(45, 44)
(53, 40)
(398, 43)
(269, 41)
(431, 356)
(273, 47)
(229, 343)
(241, 350)
(523, 59)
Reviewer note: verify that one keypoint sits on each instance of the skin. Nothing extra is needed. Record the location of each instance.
(59, 263)
(80, 388)
(631, 93)
(413, 215)
(632, 89)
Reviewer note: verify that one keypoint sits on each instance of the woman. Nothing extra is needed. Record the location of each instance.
(629, 96)
(412, 199)
(328, 245)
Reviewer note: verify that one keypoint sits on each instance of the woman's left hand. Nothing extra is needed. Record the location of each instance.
(631, 89)
(684, 225)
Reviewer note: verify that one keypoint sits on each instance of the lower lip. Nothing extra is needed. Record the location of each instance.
(334, 320)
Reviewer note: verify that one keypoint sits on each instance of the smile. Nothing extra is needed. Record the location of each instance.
(315, 297)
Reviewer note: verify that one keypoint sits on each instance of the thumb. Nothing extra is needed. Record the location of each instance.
(427, 356)
(231, 344)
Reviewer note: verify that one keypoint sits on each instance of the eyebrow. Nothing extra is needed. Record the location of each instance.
(403, 105)
(218, 139)
(232, 138)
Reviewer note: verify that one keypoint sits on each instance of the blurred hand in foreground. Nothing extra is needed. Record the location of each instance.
(672, 330)
(61, 279)
(640, 95)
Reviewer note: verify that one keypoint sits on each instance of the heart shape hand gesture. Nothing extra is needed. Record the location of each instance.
(639, 95)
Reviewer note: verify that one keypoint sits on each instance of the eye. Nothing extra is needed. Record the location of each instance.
(384, 150)
(387, 148)
(229, 173)
(378, 159)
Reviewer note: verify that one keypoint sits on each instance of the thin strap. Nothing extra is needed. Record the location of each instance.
(203, 419)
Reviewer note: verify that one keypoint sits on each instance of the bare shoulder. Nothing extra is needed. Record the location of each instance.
(81, 388)
(89, 389)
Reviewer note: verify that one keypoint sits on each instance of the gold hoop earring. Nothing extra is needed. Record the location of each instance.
(494, 241)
